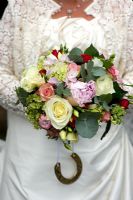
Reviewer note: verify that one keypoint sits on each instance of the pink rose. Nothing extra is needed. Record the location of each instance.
(46, 91)
(106, 117)
(44, 122)
(83, 92)
(73, 72)
(114, 72)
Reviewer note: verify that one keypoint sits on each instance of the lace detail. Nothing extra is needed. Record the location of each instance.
(8, 81)
(116, 19)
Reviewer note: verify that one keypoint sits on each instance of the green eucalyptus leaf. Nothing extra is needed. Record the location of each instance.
(89, 67)
(66, 92)
(98, 71)
(60, 89)
(83, 72)
(92, 51)
(75, 55)
(87, 124)
(106, 106)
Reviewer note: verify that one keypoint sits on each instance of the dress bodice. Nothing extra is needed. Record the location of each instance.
(74, 32)
(50, 33)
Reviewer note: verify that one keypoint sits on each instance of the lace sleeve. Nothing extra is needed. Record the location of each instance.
(128, 73)
(8, 81)
(116, 19)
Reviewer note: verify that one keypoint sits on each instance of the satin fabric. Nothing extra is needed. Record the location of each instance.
(28, 166)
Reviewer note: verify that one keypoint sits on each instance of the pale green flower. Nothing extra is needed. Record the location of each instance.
(31, 78)
(104, 85)
(59, 71)
(59, 111)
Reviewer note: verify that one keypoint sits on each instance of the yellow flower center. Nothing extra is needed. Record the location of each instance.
(59, 109)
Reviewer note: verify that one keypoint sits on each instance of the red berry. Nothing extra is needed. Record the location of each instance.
(86, 57)
(55, 53)
(124, 103)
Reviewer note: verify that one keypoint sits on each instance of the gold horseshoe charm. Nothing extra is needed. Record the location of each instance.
(64, 180)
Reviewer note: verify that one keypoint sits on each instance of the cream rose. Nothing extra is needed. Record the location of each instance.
(59, 111)
(104, 85)
(31, 78)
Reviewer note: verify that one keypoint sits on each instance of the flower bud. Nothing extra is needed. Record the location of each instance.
(106, 116)
(73, 137)
(76, 113)
(69, 129)
(62, 135)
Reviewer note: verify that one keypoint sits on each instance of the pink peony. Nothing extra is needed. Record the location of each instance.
(106, 117)
(46, 91)
(73, 72)
(114, 72)
(44, 122)
(83, 92)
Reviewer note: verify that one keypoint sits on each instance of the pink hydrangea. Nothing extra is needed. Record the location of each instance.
(83, 92)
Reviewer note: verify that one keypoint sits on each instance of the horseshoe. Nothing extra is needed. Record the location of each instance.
(71, 180)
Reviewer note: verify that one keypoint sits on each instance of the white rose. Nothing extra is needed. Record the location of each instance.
(59, 111)
(104, 85)
(31, 78)
(97, 62)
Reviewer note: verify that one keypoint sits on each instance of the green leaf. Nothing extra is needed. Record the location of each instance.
(106, 106)
(106, 97)
(75, 55)
(98, 71)
(108, 126)
(89, 67)
(67, 92)
(83, 72)
(92, 51)
(60, 89)
(119, 92)
(22, 95)
(87, 124)
(109, 62)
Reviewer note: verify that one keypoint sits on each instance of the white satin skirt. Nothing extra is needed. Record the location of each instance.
(28, 165)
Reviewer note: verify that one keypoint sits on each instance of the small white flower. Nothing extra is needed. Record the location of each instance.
(97, 62)
(104, 85)
(31, 78)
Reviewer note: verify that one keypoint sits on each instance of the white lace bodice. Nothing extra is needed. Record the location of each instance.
(27, 30)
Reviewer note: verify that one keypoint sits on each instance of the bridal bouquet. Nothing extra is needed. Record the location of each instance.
(72, 93)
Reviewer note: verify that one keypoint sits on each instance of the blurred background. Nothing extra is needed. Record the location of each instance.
(3, 118)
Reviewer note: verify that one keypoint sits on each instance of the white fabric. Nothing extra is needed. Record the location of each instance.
(27, 31)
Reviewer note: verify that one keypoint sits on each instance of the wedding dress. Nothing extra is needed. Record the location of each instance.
(26, 31)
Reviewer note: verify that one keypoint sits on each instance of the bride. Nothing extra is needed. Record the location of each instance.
(29, 28)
